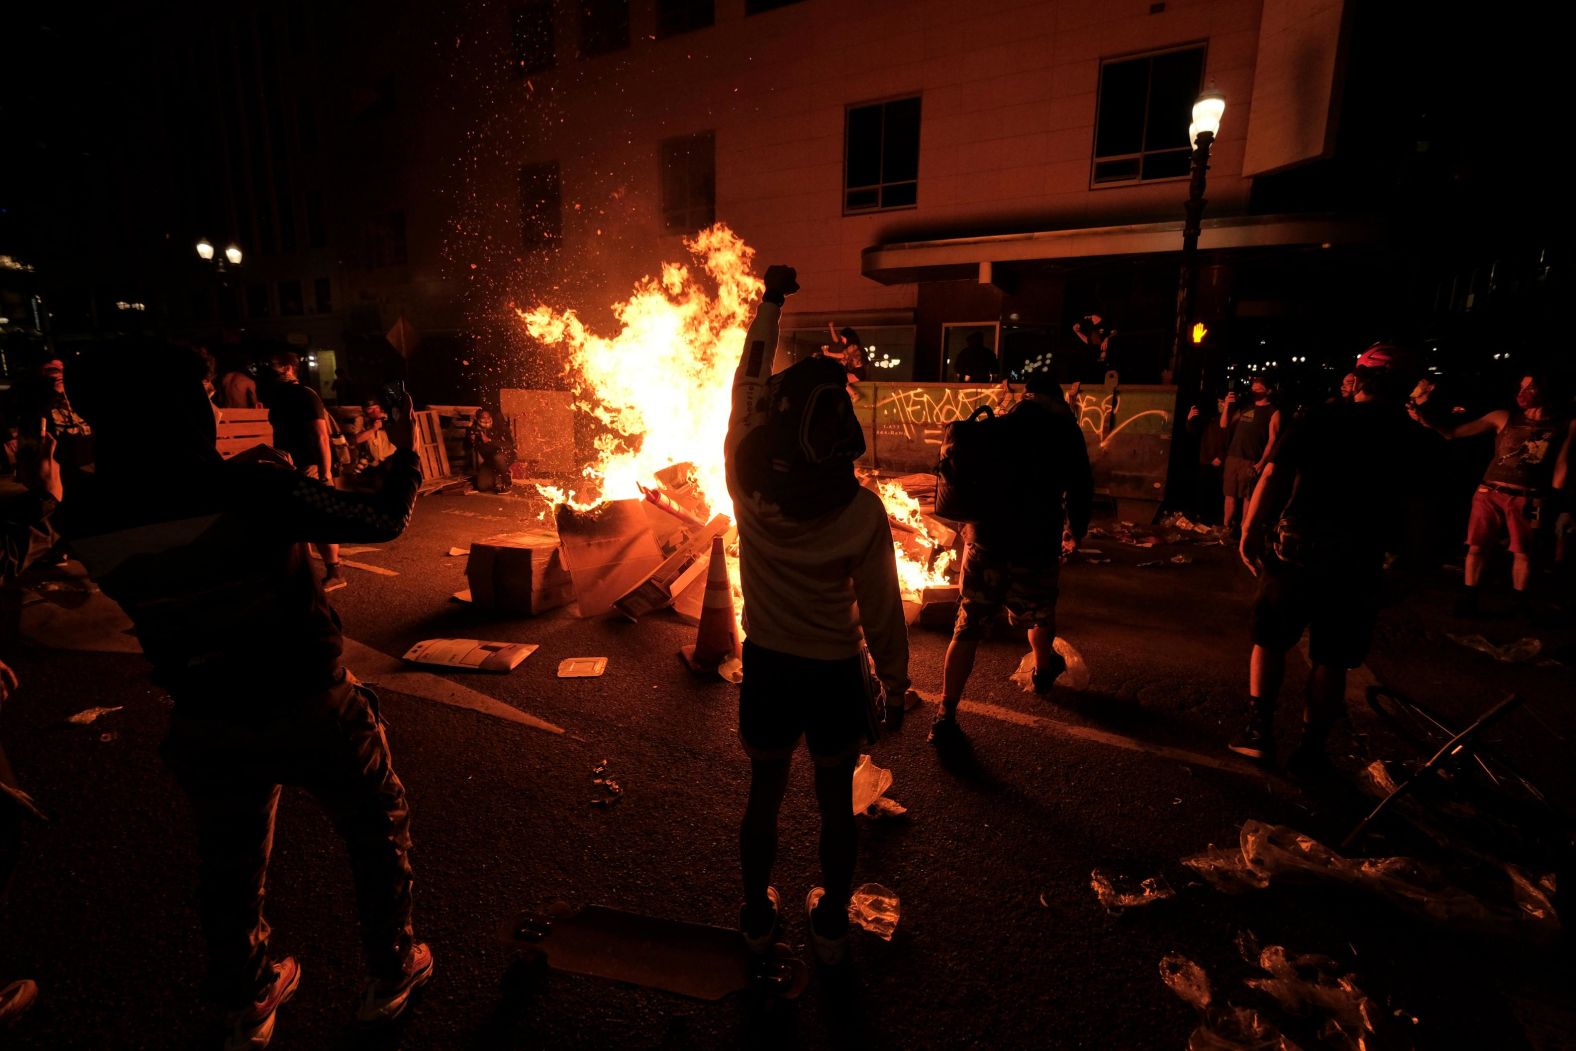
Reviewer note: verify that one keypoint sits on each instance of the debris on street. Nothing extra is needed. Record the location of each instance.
(1075, 678)
(876, 909)
(603, 779)
(582, 667)
(1518, 652)
(870, 787)
(472, 654)
(1116, 892)
(91, 715)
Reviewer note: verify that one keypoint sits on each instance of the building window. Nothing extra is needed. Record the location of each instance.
(756, 7)
(257, 301)
(323, 295)
(604, 26)
(290, 304)
(683, 16)
(881, 156)
(531, 37)
(1146, 105)
(541, 207)
(689, 183)
(383, 240)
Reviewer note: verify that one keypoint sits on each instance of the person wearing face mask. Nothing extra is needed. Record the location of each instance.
(1253, 428)
(1525, 479)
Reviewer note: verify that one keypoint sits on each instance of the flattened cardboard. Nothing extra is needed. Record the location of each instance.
(470, 654)
(607, 552)
(677, 572)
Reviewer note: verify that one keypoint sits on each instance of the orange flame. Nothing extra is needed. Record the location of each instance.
(662, 385)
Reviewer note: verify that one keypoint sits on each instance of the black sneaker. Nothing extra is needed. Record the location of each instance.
(1044, 678)
(1254, 741)
(760, 939)
(944, 730)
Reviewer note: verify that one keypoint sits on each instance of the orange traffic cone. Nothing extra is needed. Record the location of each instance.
(718, 636)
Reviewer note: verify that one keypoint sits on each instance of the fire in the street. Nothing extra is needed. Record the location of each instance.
(661, 388)
(661, 385)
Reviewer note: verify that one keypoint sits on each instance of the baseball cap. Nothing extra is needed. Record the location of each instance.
(1380, 355)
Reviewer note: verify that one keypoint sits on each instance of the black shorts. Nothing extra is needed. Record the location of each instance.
(1337, 607)
(784, 697)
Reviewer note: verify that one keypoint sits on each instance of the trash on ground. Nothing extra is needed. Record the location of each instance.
(870, 784)
(582, 667)
(463, 595)
(1118, 892)
(1161, 563)
(1224, 1027)
(1075, 678)
(111, 735)
(1518, 652)
(520, 573)
(886, 806)
(612, 792)
(456, 552)
(473, 654)
(1309, 984)
(1187, 979)
(90, 715)
(1505, 900)
(874, 908)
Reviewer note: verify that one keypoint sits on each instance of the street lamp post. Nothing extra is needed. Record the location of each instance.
(230, 258)
(1208, 108)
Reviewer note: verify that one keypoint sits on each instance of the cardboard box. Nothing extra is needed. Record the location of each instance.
(519, 573)
(607, 552)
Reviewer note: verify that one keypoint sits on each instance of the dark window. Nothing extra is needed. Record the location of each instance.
(541, 207)
(1146, 105)
(756, 7)
(604, 26)
(881, 156)
(316, 232)
(531, 37)
(383, 240)
(290, 304)
(689, 183)
(323, 295)
(257, 301)
(682, 16)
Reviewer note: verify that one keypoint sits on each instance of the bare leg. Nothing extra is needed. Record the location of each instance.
(1042, 639)
(834, 793)
(1229, 514)
(955, 671)
(1520, 572)
(330, 555)
(758, 830)
(1473, 572)
(1266, 672)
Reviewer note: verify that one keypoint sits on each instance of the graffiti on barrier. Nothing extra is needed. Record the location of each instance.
(924, 411)
(1092, 411)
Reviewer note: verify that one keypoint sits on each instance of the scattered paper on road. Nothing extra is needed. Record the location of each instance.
(90, 715)
(582, 667)
(475, 654)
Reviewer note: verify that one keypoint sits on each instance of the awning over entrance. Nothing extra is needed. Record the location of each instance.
(957, 258)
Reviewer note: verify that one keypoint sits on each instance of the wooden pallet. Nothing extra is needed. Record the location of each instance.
(242, 429)
(429, 447)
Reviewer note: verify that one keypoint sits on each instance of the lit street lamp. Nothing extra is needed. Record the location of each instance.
(205, 250)
(1208, 109)
(233, 254)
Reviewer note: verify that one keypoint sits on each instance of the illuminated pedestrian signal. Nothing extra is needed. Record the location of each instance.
(1199, 332)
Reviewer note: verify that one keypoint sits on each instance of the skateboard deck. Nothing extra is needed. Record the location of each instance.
(691, 959)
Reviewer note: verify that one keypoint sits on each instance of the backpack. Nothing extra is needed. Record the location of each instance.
(974, 477)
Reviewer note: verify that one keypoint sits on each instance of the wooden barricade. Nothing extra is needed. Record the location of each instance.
(242, 429)
(429, 446)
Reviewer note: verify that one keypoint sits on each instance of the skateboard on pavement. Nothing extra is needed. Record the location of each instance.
(696, 960)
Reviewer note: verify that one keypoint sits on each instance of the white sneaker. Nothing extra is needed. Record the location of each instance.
(831, 952)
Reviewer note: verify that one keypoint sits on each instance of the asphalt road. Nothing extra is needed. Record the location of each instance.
(1001, 943)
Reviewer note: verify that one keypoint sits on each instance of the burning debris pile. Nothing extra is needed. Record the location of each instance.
(635, 528)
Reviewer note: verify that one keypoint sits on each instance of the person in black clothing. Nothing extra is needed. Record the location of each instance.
(975, 363)
(1015, 563)
(486, 448)
(209, 559)
(1331, 500)
(302, 430)
(1205, 422)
